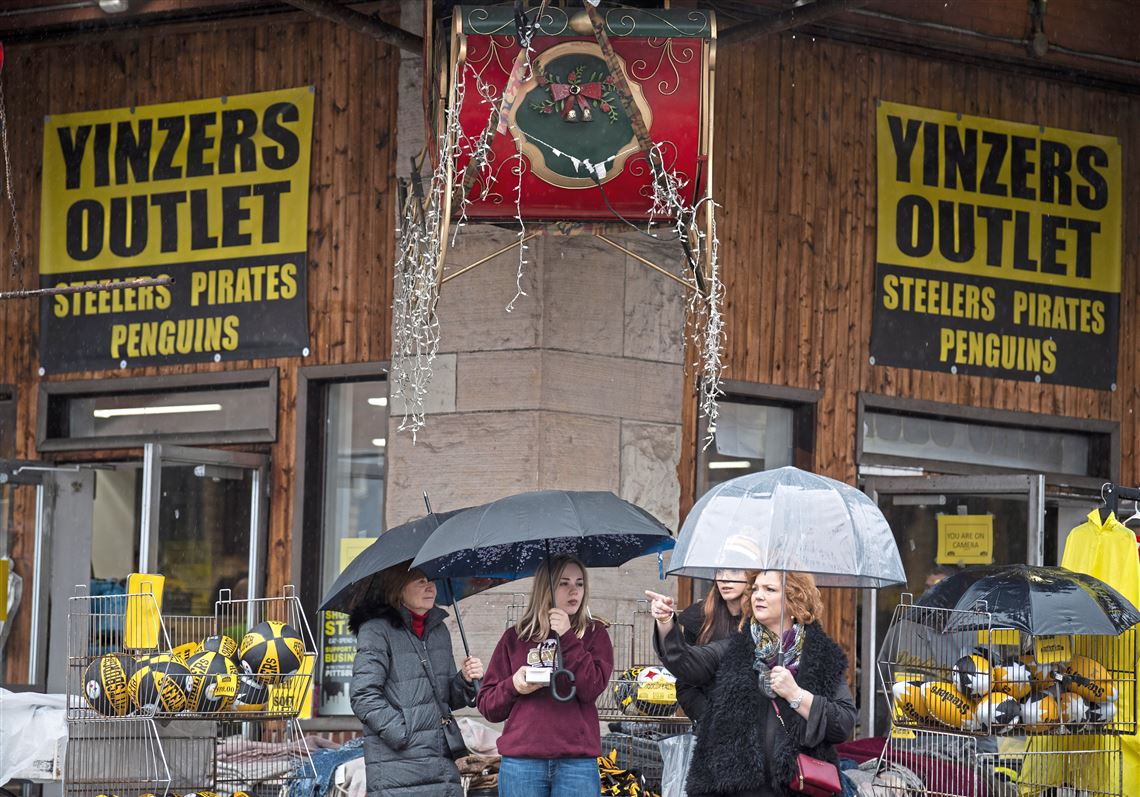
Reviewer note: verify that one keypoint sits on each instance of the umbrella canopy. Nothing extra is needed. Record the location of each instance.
(398, 544)
(791, 520)
(510, 537)
(1036, 600)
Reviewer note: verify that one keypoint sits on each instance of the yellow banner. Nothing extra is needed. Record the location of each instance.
(178, 183)
(989, 198)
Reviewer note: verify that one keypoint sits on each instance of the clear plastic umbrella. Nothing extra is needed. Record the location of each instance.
(790, 520)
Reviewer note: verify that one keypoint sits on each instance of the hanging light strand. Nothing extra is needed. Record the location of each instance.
(704, 319)
(15, 252)
(415, 325)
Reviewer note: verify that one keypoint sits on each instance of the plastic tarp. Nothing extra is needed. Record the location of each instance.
(676, 755)
(33, 730)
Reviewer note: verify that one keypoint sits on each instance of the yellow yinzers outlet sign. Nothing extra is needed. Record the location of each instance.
(210, 198)
(999, 248)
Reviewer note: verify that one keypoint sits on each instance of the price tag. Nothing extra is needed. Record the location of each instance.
(1052, 649)
(661, 692)
(226, 686)
(999, 636)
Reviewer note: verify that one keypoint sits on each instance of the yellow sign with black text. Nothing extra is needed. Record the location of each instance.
(998, 248)
(212, 195)
(965, 540)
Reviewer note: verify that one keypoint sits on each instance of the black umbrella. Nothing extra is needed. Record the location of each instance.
(1036, 600)
(398, 546)
(511, 537)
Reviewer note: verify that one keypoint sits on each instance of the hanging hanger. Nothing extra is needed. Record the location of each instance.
(1135, 516)
(1108, 500)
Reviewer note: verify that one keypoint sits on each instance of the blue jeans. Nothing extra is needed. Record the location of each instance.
(549, 777)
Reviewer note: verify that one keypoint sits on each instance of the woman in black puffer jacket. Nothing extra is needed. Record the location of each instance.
(780, 660)
(405, 753)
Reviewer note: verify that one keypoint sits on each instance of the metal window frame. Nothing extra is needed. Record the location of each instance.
(321, 374)
(262, 378)
(799, 400)
(156, 455)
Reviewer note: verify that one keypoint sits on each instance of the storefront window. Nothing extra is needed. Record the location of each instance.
(749, 437)
(917, 437)
(198, 409)
(753, 433)
(352, 514)
(203, 537)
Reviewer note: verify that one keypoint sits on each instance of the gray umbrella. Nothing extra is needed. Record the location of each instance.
(396, 548)
(790, 520)
(397, 545)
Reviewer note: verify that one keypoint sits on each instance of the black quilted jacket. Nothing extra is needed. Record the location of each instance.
(404, 750)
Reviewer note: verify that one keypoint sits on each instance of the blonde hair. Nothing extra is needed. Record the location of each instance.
(802, 600)
(535, 621)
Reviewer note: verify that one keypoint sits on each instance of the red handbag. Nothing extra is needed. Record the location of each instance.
(816, 778)
(813, 777)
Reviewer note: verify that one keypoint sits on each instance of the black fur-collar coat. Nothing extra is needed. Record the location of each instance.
(741, 747)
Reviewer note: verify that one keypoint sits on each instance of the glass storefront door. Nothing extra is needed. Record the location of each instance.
(21, 603)
(202, 518)
(942, 524)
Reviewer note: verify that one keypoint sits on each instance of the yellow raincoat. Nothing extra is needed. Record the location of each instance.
(1104, 550)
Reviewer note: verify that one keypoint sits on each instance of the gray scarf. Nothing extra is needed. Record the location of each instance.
(770, 653)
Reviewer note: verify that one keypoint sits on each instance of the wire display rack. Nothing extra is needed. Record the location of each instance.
(112, 637)
(961, 685)
(944, 764)
(950, 669)
(177, 704)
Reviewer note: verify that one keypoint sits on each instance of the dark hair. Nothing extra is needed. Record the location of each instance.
(383, 594)
(719, 622)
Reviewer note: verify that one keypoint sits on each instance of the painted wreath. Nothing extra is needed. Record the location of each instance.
(575, 94)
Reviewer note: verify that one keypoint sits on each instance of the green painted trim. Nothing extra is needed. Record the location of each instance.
(499, 20)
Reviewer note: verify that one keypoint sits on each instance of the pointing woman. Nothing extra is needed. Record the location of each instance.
(776, 688)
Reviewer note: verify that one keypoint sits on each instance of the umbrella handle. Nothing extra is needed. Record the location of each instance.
(561, 698)
(477, 683)
(559, 670)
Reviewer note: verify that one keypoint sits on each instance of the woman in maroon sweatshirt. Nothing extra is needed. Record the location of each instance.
(549, 748)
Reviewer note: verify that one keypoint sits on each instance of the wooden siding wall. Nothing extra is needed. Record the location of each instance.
(794, 166)
(351, 205)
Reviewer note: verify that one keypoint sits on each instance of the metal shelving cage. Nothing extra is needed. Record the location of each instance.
(944, 764)
(148, 715)
(979, 709)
